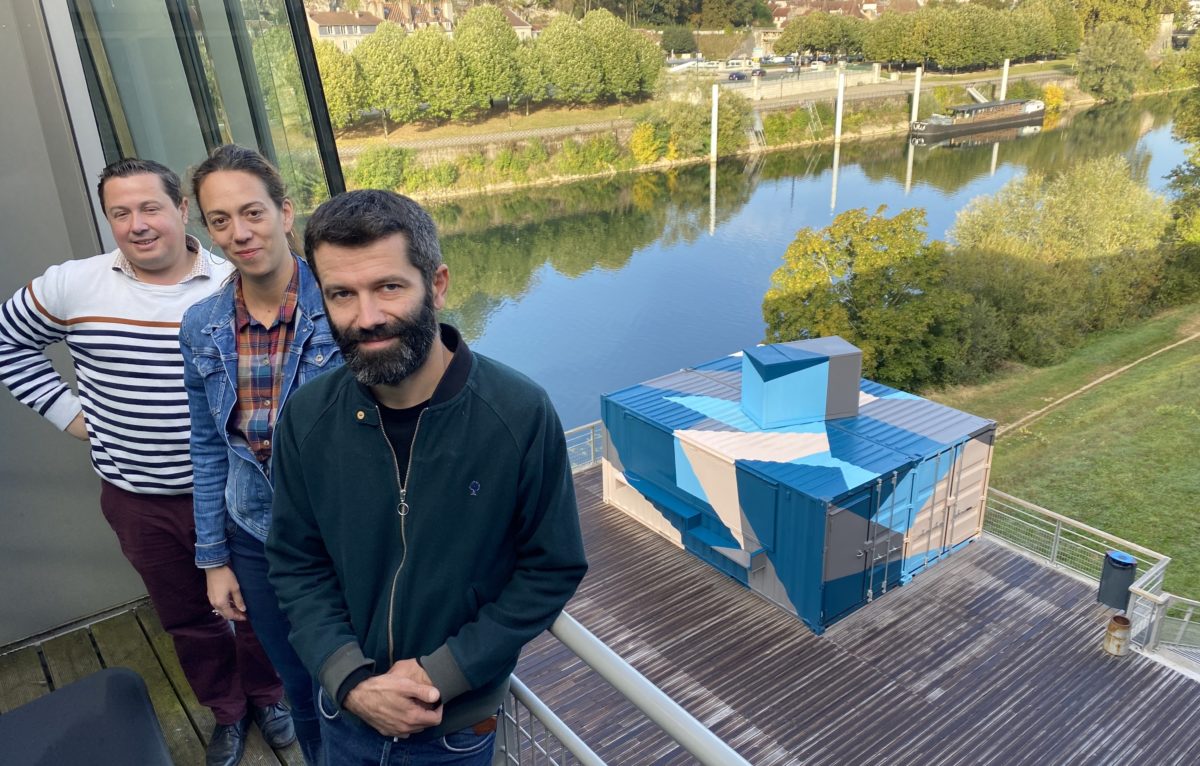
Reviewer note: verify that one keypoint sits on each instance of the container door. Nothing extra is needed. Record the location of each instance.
(845, 585)
(927, 535)
(892, 511)
(862, 554)
(974, 464)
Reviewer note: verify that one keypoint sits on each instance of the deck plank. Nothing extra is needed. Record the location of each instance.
(21, 678)
(123, 643)
(70, 657)
(257, 750)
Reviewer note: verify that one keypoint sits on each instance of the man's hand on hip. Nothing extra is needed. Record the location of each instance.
(77, 428)
(400, 702)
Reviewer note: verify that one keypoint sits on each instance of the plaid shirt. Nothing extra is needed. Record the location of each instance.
(261, 353)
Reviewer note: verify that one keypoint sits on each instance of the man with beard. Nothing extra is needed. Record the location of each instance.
(425, 525)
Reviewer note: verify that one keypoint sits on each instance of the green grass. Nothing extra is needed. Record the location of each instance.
(1123, 456)
(370, 132)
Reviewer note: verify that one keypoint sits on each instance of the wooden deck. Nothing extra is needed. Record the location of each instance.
(988, 658)
(132, 639)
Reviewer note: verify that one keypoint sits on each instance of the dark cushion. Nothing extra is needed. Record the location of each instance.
(103, 719)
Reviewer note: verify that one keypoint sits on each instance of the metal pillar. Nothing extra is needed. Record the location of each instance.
(712, 141)
(916, 95)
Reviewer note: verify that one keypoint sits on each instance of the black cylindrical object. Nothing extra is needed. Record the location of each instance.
(1118, 573)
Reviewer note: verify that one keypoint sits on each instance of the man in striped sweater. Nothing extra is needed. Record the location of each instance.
(119, 314)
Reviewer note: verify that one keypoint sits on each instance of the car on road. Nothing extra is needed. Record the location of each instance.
(737, 75)
(758, 73)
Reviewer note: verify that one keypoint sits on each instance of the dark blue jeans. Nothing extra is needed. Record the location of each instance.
(352, 743)
(249, 564)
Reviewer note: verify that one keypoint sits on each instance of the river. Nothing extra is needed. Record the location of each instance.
(597, 285)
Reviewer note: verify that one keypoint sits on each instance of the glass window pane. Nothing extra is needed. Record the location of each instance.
(172, 79)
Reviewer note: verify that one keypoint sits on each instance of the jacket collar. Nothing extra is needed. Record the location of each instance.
(364, 407)
(309, 300)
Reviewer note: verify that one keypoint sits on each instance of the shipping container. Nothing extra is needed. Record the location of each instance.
(820, 517)
(952, 452)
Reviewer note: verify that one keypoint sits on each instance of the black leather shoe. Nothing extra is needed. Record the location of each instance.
(227, 744)
(275, 723)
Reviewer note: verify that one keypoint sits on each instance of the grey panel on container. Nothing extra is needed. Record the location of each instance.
(845, 371)
(926, 418)
(729, 380)
(974, 463)
(845, 533)
(765, 581)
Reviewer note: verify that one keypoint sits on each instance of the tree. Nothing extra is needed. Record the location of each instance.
(343, 82)
(1111, 61)
(534, 83)
(876, 282)
(488, 45)
(649, 62)
(1065, 23)
(1060, 257)
(443, 82)
(886, 39)
(283, 89)
(569, 62)
(823, 32)
(391, 79)
(611, 42)
(678, 39)
(1140, 16)
(725, 14)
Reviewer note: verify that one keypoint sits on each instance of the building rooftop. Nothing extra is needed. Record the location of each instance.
(339, 18)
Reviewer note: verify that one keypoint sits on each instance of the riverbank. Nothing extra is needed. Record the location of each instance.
(868, 130)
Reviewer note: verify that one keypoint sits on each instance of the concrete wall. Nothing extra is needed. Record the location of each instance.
(58, 559)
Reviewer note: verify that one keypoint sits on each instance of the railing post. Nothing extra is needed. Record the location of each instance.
(1157, 614)
(505, 736)
(1184, 623)
(1054, 543)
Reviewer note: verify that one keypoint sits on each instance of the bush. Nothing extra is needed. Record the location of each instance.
(1054, 97)
(1023, 89)
(645, 144)
(590, 156)
(678, 39)
(381, 167)
(535, 152)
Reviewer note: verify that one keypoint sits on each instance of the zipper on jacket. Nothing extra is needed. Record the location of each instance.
(402, 511)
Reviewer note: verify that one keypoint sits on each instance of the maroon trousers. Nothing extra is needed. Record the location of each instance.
(158, 535)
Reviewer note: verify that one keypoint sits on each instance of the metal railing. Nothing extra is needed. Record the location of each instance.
(531, 733)
(1159, 621)
(1060, 541)
(585, 445)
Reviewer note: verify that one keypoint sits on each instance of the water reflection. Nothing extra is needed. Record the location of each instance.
(597, 285)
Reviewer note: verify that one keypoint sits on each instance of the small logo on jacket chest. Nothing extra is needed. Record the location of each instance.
(473, 487)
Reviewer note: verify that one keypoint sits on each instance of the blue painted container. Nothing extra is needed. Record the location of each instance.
(818, 516)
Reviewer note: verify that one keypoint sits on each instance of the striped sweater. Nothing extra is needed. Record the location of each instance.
(123, 336)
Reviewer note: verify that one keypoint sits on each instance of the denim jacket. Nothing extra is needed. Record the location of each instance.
(230, 484)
